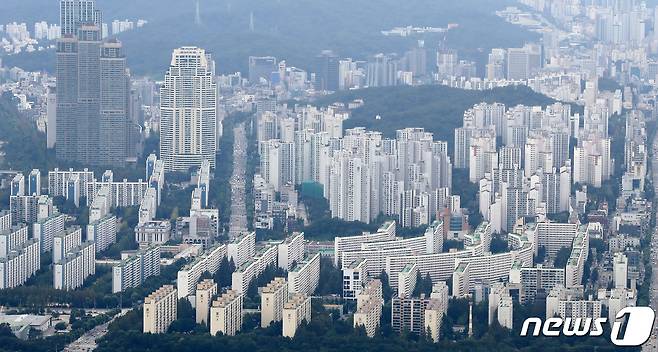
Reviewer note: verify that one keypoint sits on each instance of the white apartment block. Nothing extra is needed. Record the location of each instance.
(226, 314)
(500, 305)
(160, 310)
(46, 229)
(536, 280)
(579, 253)
(291, 251)
(20, 264)
(148, 207)
(354, 276)
(249, 270)
(156, 232)
(242, 248)
(296, 311)
(554, 236)
(483, 266)
(29, 209)
(205, 291)
(12, 239)
(58, 181)
(134, 270)
(461, 280)
(121, 193)
(190, 274)
(353, 243)
(407, 280)
(564, 302)
(101, 205)
(103, 231)
(620, 270)
(5, 219)
(305, 276)
(70, 272)
(156, 178)
(592, 164)
(63, 243)
(272, 299)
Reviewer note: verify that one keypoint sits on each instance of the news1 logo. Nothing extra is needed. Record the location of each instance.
(639, 325)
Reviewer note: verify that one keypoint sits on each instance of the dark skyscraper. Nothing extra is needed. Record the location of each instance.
(327, 71)
(74, 13)
(114, 108)
(92, 103)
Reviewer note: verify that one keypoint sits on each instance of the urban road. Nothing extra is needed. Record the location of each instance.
(652, 345)
(238, 219)
(87, 342)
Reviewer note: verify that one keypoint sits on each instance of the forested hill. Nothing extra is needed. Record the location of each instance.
(438, 109)
(291, 30)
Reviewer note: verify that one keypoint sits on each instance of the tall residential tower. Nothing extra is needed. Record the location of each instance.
(188, 121)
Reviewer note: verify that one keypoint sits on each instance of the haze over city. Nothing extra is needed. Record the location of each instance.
(265, 175)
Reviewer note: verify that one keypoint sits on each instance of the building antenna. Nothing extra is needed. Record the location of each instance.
(197, 16)
(251, 21)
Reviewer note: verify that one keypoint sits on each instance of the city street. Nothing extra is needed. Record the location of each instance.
(238, 220)
(87, 342)
(652, 345)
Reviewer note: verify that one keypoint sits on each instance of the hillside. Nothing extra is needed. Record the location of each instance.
(295, 30)
(438, 109)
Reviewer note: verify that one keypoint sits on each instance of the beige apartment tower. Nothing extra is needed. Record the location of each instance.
(205, 291)
(226, 314)
(160, 310)
(295, 311)
(272, 299)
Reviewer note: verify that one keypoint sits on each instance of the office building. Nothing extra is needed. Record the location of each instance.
(74, 13)
(92, 117)
(326, 74)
